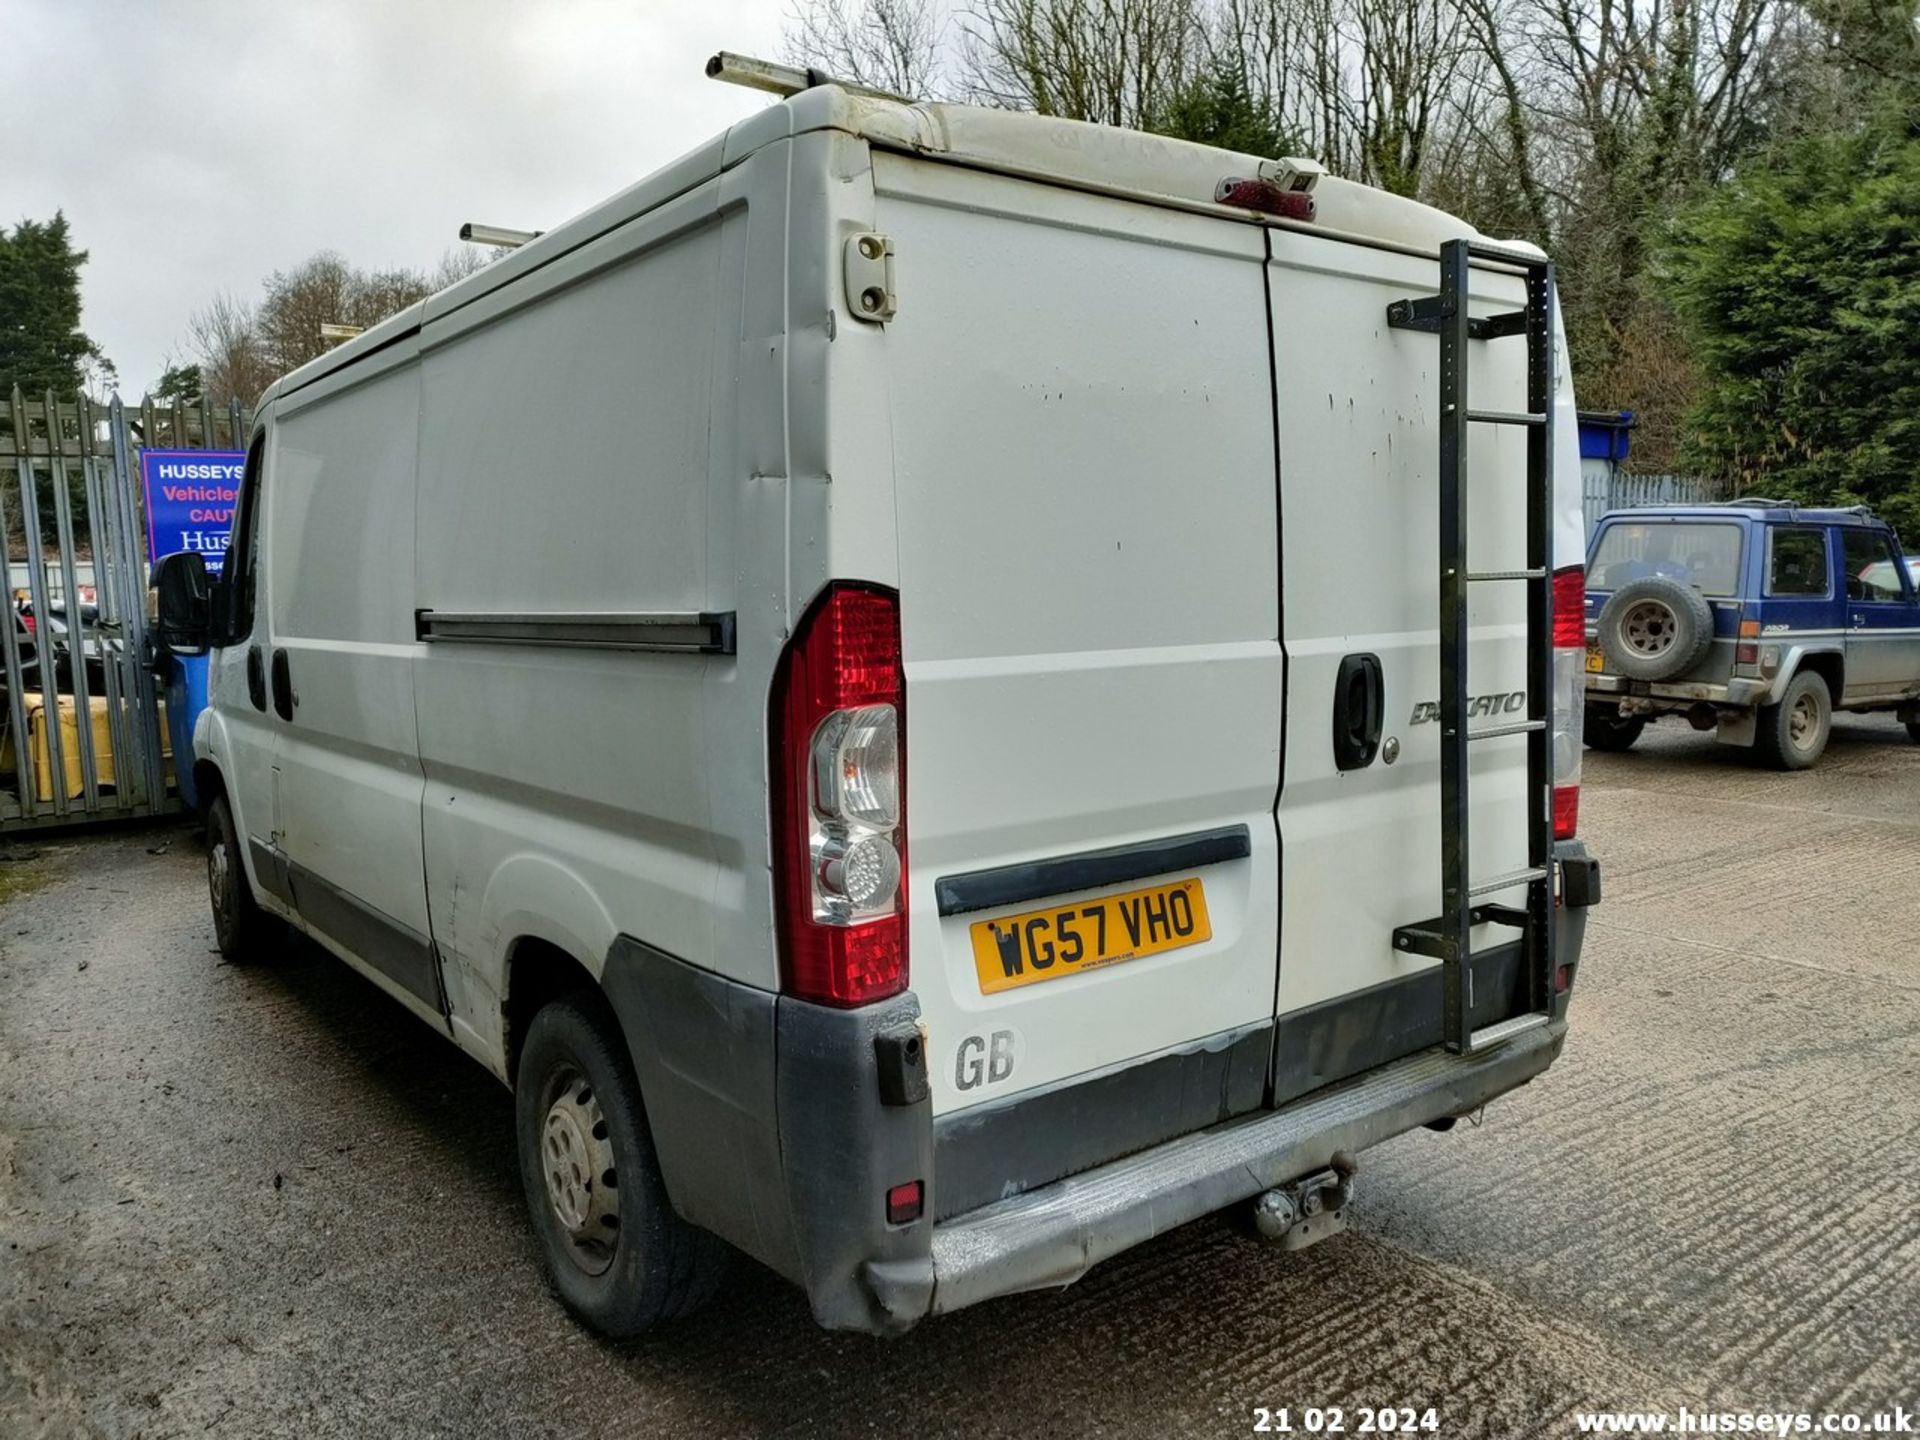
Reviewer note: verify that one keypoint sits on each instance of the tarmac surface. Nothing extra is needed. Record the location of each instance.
(263, 1201)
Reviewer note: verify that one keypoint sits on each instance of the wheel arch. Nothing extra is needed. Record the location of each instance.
(1829, 665)
(208, 783)
(536, 972)
(554, 935)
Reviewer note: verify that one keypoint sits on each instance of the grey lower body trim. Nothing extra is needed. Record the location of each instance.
(270, 869)
(398, 951)
(767, 1117)
(991, 1151)
(1052, 1236)
(703, 1047)
(1326, 1043)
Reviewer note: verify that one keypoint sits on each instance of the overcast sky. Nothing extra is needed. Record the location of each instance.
(198, 145)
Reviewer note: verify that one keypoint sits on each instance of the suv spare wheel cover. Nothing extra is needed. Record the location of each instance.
(1655, 628)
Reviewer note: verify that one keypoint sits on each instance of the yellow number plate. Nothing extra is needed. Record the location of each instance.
(1596, 662)
(1067, 939)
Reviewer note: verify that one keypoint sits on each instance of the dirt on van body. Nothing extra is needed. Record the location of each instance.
(263, 1201)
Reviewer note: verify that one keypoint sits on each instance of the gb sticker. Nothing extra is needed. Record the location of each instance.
(986, 1059)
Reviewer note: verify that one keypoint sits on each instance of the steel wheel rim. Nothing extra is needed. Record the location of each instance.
(577, 1169)
(219, 876)
(1803, 722)
(1649, 628)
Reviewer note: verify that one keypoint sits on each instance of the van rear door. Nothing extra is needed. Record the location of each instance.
(1084, 474)
(1361, 847)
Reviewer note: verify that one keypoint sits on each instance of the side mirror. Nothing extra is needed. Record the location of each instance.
(185, 604)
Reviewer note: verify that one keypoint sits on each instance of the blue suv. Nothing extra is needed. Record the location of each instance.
(1753, 618)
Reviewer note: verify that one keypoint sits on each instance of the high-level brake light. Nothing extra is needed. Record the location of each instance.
(839, 789)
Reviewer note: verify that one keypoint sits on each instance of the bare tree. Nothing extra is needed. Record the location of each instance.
(223, 339)
(241, 348)
(1118, 62)
(893, 45)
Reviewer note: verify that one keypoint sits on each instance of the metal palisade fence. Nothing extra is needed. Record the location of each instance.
(85, 737)
(1604, 489)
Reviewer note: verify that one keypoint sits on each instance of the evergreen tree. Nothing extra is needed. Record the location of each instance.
(41, 344)
(180, 382)
(1800, 287)
(1217, 107)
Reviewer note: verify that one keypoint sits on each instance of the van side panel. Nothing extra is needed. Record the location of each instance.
(1084, 478)
(565, 452)
(340, 480)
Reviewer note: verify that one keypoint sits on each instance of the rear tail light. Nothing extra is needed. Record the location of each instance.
(1569, 695)
(1746, 650)
(839, 792)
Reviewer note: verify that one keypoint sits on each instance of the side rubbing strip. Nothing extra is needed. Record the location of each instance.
(1037, 879)
(689, 632)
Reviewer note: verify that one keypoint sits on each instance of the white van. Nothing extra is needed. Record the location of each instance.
(907, 683)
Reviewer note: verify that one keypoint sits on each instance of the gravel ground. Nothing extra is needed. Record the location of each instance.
(264, 1201)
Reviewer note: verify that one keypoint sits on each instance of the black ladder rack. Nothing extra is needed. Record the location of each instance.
(1447, 936)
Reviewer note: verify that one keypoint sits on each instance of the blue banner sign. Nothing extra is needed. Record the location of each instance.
(191, 496)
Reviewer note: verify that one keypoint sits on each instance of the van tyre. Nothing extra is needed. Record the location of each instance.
(240, 926)
(1792, 734)
(1605, 728)
(1655, 628)
(620, 1257)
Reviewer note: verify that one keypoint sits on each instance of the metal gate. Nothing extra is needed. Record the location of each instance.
(85, 734)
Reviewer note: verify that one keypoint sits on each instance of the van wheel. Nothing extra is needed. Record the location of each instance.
(620, 1257)
(1606, 729)
(239, 925)
(1792, 734)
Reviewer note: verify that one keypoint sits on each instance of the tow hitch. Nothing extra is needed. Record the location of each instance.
(1310, 1209)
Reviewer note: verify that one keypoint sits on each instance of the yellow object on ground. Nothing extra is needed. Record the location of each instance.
(36, 706)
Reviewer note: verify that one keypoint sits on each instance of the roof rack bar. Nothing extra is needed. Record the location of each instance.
(783, 80)
(765, 75)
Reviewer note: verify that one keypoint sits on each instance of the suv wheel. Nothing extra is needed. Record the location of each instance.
(1654, 628)
(239, 924)
(620, 1257)
(1605, 728)
(1792, 734)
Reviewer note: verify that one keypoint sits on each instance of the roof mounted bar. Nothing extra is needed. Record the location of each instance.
(497, 235)
(782, 80)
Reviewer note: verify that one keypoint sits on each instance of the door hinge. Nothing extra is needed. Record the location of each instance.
(869, 275)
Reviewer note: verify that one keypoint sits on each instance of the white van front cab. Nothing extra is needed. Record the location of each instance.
(907, 683)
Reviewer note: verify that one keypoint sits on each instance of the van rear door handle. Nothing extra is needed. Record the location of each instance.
(1359, 710)
(283, 697)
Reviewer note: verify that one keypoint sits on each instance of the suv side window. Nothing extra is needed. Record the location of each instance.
(243, 555)
(1797, 561)
(1873, 571)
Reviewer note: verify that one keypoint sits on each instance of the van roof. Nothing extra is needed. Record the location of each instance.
(1100, 158)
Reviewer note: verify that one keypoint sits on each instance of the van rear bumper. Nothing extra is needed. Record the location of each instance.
(1052, 1236)
(780, 1126)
